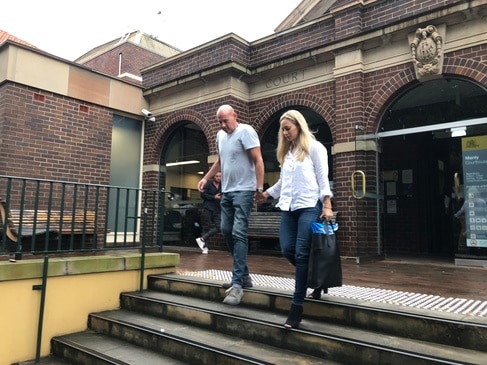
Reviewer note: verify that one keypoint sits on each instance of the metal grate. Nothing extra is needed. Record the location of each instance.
(421, 301)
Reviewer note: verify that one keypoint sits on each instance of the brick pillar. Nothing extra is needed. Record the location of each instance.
(357, 218)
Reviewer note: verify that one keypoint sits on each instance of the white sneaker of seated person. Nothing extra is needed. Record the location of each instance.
(201, 243)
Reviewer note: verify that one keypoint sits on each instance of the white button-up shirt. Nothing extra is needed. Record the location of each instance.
(302, 183)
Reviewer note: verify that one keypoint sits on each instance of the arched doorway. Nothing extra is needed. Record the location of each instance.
(322, 132)
(422, 166)
(183, 162)
(316, 123)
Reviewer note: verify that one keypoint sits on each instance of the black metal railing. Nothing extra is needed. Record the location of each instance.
(45, 216)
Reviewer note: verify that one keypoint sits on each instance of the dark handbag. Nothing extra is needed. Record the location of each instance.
(325, 267)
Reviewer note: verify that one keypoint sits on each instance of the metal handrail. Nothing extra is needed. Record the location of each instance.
(41, 206)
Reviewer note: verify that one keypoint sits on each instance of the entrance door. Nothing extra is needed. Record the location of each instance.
(366, 184)
(422, 165)
(419, 190)
(423, 175)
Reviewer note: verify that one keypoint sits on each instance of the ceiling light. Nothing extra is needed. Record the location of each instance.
(189, 162)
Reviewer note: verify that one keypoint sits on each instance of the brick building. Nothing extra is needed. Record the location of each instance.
(382, 82)
(385, 84)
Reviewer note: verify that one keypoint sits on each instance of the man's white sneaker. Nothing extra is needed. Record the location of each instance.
(200, 243)
(205, 251)
(234, 296)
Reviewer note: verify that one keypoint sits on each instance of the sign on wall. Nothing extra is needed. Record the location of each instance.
(474, 156)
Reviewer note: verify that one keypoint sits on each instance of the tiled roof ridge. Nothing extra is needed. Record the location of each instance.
(5, 36)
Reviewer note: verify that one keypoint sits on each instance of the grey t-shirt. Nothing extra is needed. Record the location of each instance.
(238, 170)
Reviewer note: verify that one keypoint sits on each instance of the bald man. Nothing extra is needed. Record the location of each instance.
(240, 162)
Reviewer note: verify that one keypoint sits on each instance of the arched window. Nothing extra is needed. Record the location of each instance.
(316, 124)
(434, 102)
(183, 162)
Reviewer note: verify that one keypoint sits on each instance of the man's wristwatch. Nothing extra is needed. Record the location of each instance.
(260, 190)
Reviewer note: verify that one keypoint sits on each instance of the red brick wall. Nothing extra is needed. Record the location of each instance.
(51, 137)
(342, 23)
(229, 50)
(134, 58)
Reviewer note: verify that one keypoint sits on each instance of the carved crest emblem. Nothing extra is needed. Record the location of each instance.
(427, 51)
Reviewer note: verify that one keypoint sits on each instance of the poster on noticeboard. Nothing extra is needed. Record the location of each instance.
(474, 157)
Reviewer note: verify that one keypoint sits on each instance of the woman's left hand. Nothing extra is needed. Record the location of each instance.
(327, 213)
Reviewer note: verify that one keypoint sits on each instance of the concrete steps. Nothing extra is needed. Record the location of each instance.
(181, 320)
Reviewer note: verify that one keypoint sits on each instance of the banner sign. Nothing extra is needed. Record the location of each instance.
(474, 156)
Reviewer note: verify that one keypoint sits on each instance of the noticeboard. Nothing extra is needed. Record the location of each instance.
(474, 157)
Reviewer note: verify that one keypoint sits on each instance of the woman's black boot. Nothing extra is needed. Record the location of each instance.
(295, 315)
(316, 294)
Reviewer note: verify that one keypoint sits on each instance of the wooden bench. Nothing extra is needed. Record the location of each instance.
(19, 224)
(266, 224)
(263, 231)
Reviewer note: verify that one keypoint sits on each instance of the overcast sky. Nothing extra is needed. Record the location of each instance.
(68, 29)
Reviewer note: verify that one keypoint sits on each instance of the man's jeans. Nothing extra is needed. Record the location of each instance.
(236, 207)
(295, 238)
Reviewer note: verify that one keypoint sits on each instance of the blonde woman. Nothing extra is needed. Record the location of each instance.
(304, 195)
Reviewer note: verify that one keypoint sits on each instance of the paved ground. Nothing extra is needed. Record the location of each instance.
(436, 284)
(424, 282)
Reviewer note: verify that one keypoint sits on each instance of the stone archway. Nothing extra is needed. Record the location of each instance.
(157, 135)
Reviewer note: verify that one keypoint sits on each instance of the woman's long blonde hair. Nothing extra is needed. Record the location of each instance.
(303, 140)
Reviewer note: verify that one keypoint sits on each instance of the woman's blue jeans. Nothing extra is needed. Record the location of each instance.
(236, 207)
(295, 238)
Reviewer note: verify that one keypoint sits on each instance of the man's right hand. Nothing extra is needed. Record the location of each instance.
(201, 185)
